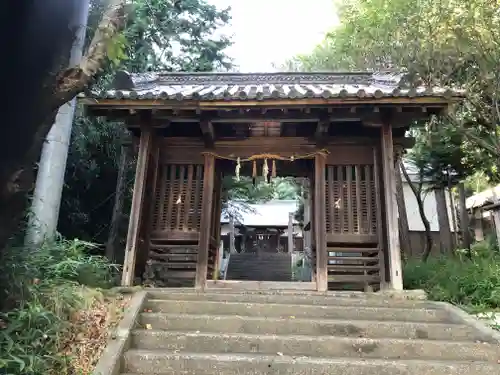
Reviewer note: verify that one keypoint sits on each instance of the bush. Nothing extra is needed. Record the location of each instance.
(456, 279)
(40, 290)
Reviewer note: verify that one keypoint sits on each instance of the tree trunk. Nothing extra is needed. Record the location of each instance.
(417, 191)
(46, 90)
(404, 230)
(445, 236)
(464, 219)
(117, 218)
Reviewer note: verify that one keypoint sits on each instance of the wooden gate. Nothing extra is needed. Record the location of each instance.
(354, 232)
(176, 224)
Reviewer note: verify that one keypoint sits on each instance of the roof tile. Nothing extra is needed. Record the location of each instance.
(261, 86)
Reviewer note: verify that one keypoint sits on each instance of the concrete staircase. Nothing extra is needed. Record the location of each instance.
(260, 267)
(284, 333)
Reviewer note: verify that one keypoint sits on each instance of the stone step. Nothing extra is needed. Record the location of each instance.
(258, 278)
(163, 363)
(317, 346)
(257, 266)
(289, 298)
(304, 311)
(254, 276)
(262, 255)
(318, 327)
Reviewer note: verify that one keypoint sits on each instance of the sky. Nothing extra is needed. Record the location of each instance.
(270, 31)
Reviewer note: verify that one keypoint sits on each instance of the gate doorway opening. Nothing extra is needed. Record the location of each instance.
(262, 218)
(262, 231)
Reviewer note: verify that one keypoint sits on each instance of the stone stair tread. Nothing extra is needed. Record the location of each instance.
(317, 320)
(297, 305)
(289, 307)
(317, 346)
(306, 337)
(303, 299)
(304, 311)
(137, 360)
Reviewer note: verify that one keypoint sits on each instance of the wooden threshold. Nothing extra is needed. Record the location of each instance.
(260, 285)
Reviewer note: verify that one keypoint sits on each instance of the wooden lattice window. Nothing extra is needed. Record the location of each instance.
(178, 198)
(351, 202)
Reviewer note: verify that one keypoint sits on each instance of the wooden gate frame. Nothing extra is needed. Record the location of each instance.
(155, 101)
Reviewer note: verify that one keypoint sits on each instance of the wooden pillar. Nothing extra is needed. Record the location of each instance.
(320, 223)
(217, 227)
(495, 213)
(307, 218)
(445, 237)
(403, 216)
(478, 225)
(290, 232)
(136, 211)
(148, 205)
(312, 229)
(232, 248)
(391, 209)
(464, 217)
(205, 225)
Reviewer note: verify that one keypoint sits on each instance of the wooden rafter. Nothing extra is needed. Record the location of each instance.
(207, 129)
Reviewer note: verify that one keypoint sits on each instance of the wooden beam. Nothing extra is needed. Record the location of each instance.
(391, 209)
(155, 103)
(205, 225)
(207, 130)
(320, 223)
(321, 135)
(136, 211)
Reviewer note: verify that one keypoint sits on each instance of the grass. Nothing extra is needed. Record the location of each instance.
(55, 309)
(473, 284)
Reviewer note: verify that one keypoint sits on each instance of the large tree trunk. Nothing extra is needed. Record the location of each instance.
(445, 236)
(417, 191)
(42, 84)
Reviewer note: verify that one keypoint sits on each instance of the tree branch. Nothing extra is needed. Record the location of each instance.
(418, 196)
(74, 79)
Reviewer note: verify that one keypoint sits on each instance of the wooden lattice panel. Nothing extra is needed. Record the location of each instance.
(357, 267)
(351, 203)
(178, 198)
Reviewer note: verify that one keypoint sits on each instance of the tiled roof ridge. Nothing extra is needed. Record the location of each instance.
(136, 80)
(263, 86)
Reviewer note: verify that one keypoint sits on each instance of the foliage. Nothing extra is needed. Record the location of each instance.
(91, 174)
(172, 35)
(447, 43)
(456, 279)
(160, 35)
(279, 188)
(238, 194)
(40, 290)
